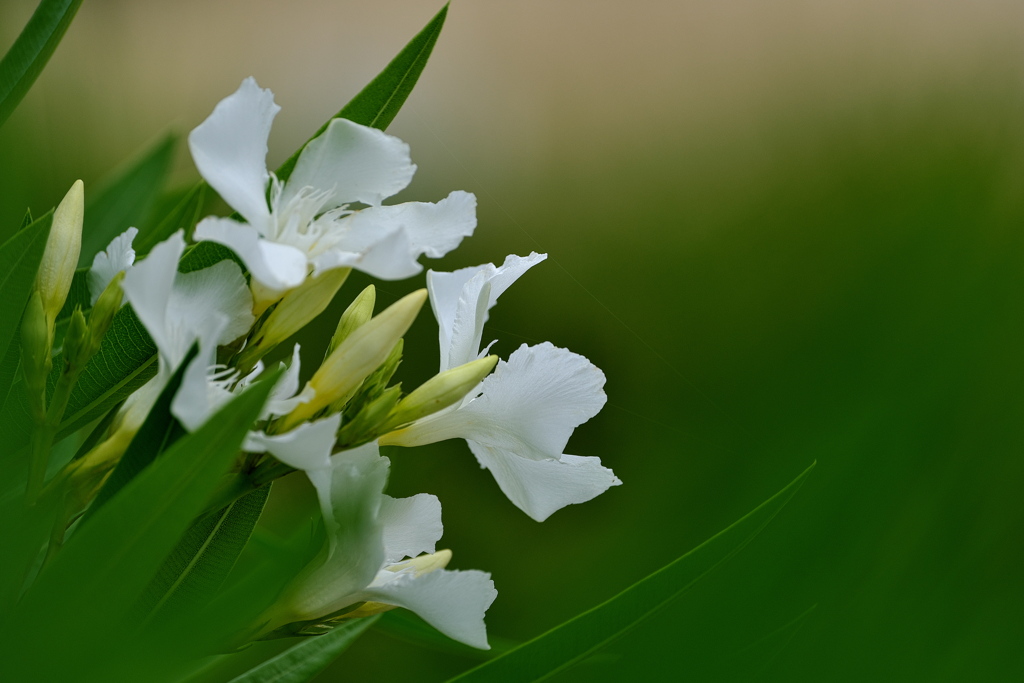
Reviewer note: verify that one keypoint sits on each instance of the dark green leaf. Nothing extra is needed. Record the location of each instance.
(202, 560)
(90, 588)
(183, 212)
(19, 261)
(581, 636)
(308, 657)
(378, 103)
(124, 199)
(31, 51)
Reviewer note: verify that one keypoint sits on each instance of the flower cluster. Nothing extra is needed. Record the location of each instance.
(292, 243)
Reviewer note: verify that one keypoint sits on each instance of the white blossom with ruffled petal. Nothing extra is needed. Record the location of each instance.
(308, 226)
(519, 420)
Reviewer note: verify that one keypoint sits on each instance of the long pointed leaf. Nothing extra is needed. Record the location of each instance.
(91, 586)
(310, 656)
(579, 637)
(378, 103)
(32, 50)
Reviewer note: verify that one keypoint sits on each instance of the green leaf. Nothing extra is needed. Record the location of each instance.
(182, 213)
(308, 657)
(91, 587)
(202, 560)
(378, 103)
(19, 261)
(124, 199)
(32, 50)
(581, 636)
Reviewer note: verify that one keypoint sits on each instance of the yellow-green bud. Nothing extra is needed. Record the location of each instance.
(359, 355)
(369, 416)
(301, 305)
(354, 317)
(440, 391)
(36, 340)
(77, 341)
(103, 312)
(60, 257)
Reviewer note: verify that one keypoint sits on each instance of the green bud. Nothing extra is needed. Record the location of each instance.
(359, 355)
(441, 391)
(77, 342)
(293, 312)
(102, 315)
(36, 343)
(60, 258)
(361, 428)
(354, 317)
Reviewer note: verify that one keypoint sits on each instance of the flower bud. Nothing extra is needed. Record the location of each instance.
(301, 305)
(106, 307)
(441, 391)
(77, 341)
(354, 317)
(36, 340)
(60, 258)
(359, 355)
(359, 428)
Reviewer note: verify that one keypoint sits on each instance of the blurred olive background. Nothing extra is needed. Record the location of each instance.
(787, 231)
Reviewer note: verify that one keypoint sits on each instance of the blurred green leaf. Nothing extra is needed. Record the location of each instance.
(308, 657)
(91, 587)
(183, 211)
(125, 198)
(581, 636)
(378, 103)
(32, 50)
(19, 261)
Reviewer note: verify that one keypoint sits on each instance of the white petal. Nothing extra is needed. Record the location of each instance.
(230, 150)
(276, 266)
(453, 602)
(118, 256)
(411, 525)
(198, 398)
(461, 306)
(347, 472)
(540, 487)
(148, 286)
(360, 164)
(203, 294)
(307, 447)
(528, 406)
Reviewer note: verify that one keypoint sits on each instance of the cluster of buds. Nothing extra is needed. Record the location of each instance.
(297, 241)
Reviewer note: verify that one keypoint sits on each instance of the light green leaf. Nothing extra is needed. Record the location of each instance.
(32, 50)
(124, 199)
(19, 261)
(178, 211)
(308, 657)
(91, 587)
(378, 103)
(581, 636)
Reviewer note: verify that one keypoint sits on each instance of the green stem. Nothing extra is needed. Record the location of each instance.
(46, 431)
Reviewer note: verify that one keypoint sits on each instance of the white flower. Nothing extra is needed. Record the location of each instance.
(518, 421)
(210, 307)
(118, 256)
(371, 535)
(308, 225)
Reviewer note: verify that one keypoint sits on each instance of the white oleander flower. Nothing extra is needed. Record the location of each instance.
(309, 225)
(519, 419)
(381, 552)
(117, 257)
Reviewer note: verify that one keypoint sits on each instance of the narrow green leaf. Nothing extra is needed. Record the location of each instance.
(378, 103)
(183, 213)
(158, 432)
(579, 637)
(307, 658)
(202, 560)
(124, 199)
(32, 50)
(19, 261)
(90, 588)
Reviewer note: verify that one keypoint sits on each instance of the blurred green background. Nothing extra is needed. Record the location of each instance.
(786, 231)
